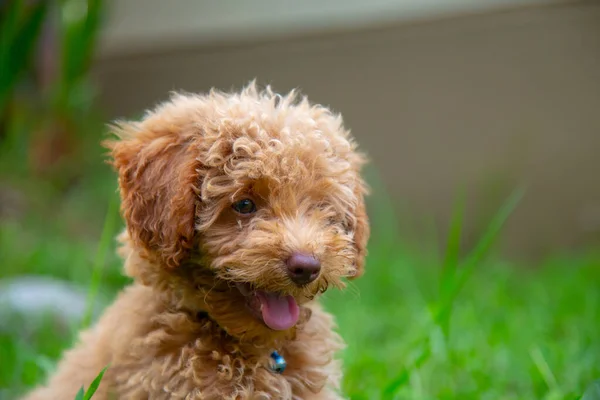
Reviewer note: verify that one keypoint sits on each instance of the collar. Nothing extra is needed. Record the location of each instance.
(277, 364)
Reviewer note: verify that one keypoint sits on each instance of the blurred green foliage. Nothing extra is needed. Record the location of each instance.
(20, 27)
(46, 94)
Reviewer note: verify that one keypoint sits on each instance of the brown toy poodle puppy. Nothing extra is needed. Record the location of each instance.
(240, 210)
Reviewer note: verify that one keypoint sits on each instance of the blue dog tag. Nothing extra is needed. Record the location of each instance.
(278, 365)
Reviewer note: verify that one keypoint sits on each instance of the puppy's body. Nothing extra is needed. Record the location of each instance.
(168, 354)
(240, 210)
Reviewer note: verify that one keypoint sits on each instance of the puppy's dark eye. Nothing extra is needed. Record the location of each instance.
(245, 206)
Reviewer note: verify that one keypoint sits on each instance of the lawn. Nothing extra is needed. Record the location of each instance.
(512, 332)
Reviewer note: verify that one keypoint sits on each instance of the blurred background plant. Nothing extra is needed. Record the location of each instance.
(46, 94)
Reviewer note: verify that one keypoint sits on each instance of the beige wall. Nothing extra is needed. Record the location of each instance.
(488, 101)
(135, 26)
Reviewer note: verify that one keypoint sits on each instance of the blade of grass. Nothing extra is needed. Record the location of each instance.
(94, 386)
(80, 394)
(542, 365)
(105, 240)
(451, 259)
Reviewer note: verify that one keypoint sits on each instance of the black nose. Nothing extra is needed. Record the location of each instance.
(303, 268)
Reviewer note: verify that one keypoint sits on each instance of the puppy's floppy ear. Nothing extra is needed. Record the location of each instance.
(157, 179)
(361, 232)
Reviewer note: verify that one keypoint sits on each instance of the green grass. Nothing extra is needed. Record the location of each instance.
(418, 325)
(89, 393)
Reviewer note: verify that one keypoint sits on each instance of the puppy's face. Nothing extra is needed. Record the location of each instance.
(261, 191)
(286, 208)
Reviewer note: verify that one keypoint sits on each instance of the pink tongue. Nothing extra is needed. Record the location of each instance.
(279, 313)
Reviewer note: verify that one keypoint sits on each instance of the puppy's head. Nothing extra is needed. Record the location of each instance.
(252, 202)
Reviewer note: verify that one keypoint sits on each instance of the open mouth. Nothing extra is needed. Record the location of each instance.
(278, 312)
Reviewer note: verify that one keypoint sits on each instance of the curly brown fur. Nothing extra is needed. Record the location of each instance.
(185, 328)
